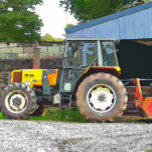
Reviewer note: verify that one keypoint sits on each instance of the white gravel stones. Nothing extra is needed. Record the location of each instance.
(48, 136)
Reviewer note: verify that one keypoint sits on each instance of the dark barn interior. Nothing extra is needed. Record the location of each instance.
(135, 60)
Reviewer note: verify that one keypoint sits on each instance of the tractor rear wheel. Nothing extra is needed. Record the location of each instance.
(101, 97)
(18, 101)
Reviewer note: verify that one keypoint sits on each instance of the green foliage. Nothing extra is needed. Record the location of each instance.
(130, 3)
(124, 2)
(49, 38)
(18, 21)
(134, 2)
(69, 25)
(85, 10)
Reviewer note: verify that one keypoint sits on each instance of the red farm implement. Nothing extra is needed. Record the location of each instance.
(139, 98)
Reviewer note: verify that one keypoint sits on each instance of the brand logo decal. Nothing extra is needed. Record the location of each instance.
(29, 75)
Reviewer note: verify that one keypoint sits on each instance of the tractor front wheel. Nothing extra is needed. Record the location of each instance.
(101, 97)
(18, 101)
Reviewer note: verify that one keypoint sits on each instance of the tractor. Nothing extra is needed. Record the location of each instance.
(89, 79)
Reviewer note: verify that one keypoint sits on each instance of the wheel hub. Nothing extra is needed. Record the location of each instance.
(17, 101)
(101, 98)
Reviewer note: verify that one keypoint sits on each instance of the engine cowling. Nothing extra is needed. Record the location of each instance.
(33, 77)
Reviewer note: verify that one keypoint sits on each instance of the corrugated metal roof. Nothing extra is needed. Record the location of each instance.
(109, 17)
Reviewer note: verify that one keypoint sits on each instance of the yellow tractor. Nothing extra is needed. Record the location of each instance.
(88, 79)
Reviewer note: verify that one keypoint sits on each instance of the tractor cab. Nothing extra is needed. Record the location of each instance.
(83, 56)
(84, 52)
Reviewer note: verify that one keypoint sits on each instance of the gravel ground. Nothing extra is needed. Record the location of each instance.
(47, 136)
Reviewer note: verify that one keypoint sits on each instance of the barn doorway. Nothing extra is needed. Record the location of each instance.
(135, 59)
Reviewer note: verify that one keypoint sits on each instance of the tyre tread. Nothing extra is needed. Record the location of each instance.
(106, 76)
(32, 101)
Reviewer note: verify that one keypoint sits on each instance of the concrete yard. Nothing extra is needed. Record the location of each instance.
(48, 136)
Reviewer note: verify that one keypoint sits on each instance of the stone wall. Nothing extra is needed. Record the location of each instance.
(15, 56)
(20, 55)
(25, 50)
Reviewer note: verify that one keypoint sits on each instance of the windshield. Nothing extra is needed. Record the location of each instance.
(109, 54)
(80, 53)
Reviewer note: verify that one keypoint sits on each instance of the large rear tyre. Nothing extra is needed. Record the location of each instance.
(101, 97)
(18, 101)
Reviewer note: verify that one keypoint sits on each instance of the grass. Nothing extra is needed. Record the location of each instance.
(132, 120)
(2, 116)
(74, 115)
(54, 114)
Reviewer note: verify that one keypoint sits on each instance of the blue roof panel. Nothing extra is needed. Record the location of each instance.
(109, 17)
